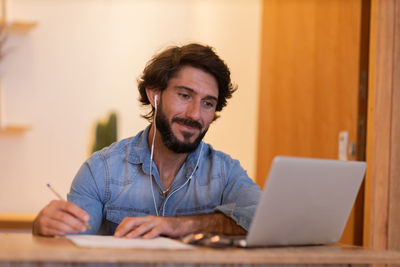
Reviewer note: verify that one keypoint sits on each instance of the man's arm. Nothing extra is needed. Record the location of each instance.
(152, 226)
(240, 196)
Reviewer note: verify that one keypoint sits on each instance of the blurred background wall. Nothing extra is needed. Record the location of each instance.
(81, 61)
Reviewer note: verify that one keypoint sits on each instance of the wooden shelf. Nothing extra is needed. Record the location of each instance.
(9, 128)
(18, 26)
(15, 129)
(16, 220)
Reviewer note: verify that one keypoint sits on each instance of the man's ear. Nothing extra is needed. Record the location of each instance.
(151, 95)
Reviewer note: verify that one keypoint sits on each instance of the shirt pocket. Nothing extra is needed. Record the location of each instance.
(200, 198)
(117, 214)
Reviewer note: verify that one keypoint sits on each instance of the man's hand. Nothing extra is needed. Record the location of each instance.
(59, 218)
(152, 226)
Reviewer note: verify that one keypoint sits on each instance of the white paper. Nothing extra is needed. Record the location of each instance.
(99, 241)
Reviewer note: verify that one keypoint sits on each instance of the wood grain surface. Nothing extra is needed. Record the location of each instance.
(26, 248)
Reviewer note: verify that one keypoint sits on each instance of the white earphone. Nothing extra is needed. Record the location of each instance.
(152, 153)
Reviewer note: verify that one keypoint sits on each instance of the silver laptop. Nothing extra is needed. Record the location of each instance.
(305, 202)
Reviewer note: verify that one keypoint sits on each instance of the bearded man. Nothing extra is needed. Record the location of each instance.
(165, 180)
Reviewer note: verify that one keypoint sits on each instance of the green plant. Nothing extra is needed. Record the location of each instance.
(106, 133)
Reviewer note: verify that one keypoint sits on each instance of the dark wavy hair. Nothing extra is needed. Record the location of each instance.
(164, 65)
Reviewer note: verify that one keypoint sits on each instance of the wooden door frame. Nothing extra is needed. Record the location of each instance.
(382, 198)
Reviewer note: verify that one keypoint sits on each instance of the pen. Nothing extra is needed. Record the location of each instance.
(61, 198)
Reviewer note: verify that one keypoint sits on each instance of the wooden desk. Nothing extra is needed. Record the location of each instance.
(27, 250)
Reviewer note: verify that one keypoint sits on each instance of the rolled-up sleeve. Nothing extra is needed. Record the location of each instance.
(240, 196)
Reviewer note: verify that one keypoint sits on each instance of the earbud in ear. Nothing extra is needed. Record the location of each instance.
(155, 101)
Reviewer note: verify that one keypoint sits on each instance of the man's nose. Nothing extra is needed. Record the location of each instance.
(193, 110)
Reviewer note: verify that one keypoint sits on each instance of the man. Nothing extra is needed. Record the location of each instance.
(165, 180)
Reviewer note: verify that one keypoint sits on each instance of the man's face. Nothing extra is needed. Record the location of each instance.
(186, 109)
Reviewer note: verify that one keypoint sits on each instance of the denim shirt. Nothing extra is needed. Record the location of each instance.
(114, 183)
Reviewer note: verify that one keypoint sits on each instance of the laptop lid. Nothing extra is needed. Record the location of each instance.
(305, 201)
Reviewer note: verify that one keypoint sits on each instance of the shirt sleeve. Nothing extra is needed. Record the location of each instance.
(84, 192)
(240, 196)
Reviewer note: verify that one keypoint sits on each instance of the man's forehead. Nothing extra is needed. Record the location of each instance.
(196, 80)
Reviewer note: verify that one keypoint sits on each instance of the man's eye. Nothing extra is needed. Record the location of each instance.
(208, 104)
(184, 96)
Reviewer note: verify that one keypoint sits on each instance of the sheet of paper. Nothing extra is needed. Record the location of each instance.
(98, 241)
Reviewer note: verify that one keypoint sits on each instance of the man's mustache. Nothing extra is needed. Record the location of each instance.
(188, 122)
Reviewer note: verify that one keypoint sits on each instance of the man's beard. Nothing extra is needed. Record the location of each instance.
(168, 137)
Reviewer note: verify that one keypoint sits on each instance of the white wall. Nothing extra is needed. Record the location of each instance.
(82, 61)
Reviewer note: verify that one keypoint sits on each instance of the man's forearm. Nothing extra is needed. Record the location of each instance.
(216, 223)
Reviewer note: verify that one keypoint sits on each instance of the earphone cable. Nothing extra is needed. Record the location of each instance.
(151, 157)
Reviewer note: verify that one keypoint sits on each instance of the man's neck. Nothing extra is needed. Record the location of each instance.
(168, 162)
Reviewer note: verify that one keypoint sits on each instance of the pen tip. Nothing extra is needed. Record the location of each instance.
(48, 185)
